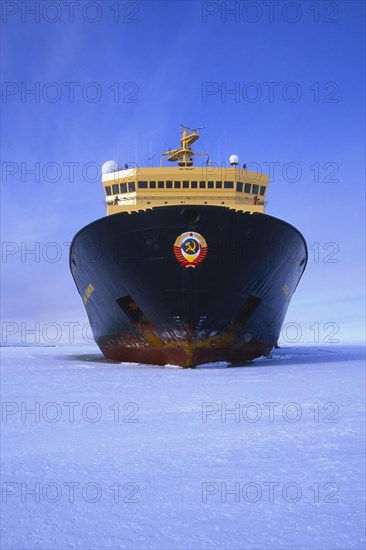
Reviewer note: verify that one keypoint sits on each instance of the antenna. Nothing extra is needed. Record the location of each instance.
(151, 156)
(162, 157)
(225, 145)
(191, 129)
(150, 159)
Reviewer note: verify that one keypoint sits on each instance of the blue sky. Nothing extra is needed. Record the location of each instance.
(298, 106)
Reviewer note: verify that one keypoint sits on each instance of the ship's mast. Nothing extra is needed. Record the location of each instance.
(184, 154)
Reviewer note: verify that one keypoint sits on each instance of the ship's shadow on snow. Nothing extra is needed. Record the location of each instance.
(279, 357)
(87, 358)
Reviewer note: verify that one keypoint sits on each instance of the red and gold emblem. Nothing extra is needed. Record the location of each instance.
(190, 249)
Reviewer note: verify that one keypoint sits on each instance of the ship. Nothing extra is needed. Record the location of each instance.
(186, 268)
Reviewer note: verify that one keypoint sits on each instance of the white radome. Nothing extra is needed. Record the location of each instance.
(234, 159)
(110, 166)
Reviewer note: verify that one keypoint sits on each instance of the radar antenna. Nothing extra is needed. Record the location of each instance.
(191, 129)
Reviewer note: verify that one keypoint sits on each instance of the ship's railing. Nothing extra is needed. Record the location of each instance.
(224, 199)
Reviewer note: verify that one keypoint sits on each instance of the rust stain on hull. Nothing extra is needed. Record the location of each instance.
(186, 353)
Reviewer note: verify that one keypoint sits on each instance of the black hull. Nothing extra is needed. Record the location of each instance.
(144, 306)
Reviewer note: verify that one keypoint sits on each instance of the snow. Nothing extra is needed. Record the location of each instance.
(291, 452)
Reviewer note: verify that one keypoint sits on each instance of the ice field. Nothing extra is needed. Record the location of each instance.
(97, 454)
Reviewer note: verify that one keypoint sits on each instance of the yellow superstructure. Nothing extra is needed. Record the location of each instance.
(134, 188)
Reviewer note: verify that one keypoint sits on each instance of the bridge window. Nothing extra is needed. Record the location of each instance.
(186, 184)
(193, 185)
(115, 189)
(239, 186)
(247, 187)
(108, 190)
(263, 190)
(152, 184)
(131, 186)
(123, 187)
(255, 189)
(160, 184)
(229, 184)
(210, 184)
(177, 185)
(202, 184)
(219, 185)
(142, 184)
(169, 184)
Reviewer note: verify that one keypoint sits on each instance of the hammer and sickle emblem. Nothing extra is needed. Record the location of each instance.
(191, 246)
